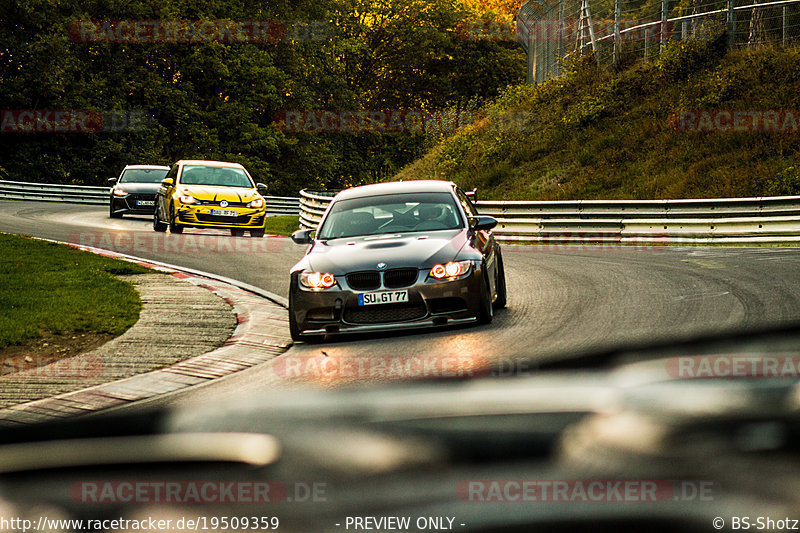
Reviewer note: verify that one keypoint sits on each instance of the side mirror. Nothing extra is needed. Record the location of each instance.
(167, 182)
(303, 236)
(482, 223)
(111, 181)
(261, 188)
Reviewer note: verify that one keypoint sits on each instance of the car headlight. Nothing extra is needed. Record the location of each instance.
(120, 192)
(187, 199)
(451, 270)
(257, 202)
(317, 280)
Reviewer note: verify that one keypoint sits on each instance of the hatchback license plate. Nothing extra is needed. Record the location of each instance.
(146, 202)
(224, 212)
(383, 297)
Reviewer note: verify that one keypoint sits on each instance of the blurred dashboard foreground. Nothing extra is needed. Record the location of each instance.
(689, 438)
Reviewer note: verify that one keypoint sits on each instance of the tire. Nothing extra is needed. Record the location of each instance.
(486, 310)
(500, 284)
(157, 224)
(237, 232)
(257, 233)
(174, 227)
(111, 212)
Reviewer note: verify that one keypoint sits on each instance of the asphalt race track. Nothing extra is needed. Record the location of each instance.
(562, 299)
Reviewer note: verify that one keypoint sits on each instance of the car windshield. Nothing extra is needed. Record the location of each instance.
(220, 176)
(375, 215)
(143, 175)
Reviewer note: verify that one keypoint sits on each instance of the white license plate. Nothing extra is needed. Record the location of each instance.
(224, 213)
(383, 297)
(146, 202)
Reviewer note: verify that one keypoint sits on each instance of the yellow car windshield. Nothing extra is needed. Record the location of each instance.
(216, 176)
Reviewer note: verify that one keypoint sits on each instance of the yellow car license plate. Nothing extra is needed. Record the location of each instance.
(224, 212)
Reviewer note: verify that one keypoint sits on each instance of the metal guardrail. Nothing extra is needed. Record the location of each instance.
(47, 192)
(282, 205)
(724, 221)
(83, 194)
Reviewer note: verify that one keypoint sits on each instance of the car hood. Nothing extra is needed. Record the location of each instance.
(415, 250)
(139, 187)
(208, 193)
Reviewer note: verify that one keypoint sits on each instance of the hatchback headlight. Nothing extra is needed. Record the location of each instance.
(256, 202)
(120, 192)
(187, 199)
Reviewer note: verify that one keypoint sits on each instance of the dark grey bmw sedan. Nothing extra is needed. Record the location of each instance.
(396, 255)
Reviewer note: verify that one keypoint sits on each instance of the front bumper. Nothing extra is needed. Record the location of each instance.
(431, 304)
(131, 204)
(200, 216)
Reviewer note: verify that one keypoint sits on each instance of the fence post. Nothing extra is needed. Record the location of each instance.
(562, 37)
(531, 67)
(731, 24)
(785, 23)
(548, 52)
(664, 15)
(617, 17)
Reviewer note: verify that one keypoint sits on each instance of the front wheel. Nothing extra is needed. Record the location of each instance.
(174, 227)
(237, 232)
(257, 233)
(500, 284)
(157, 224)
(486, 310)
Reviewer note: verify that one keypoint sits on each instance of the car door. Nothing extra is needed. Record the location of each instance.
(481, 240)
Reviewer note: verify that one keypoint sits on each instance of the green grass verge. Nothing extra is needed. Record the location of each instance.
(595, 133)
(285, 225)
(55, 288)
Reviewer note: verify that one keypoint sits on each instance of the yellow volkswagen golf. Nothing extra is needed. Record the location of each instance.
(210, 194)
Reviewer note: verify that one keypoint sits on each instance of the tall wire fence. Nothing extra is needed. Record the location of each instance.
(619, 31)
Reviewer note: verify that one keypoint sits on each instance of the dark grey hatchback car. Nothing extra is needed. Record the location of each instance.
(396, 255)
(134, 192)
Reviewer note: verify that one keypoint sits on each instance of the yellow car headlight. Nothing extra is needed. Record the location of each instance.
(256, 202)
(187, 199)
